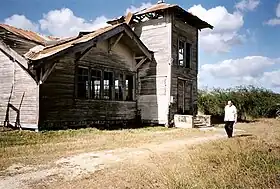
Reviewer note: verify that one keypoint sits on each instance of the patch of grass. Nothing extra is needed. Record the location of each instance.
(241, 162)
(34, 148)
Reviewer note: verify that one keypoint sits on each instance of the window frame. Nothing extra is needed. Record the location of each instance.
(187, 53)
(115, 75)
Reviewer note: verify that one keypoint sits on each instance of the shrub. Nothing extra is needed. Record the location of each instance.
(250, 101)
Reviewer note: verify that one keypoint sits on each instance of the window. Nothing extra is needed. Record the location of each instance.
(181, 53)
(107, 85)
(188, 55)
(83, 83)
(129, 87)
(184, 54)
(96, 84)
(118, 87)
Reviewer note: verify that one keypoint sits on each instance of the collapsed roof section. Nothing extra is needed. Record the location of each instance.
(89, 39)
(158, 10)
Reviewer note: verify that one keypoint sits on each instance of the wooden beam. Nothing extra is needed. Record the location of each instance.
(139, 57)
(141, 62)
(116, 42)
(128, 18)
(140, 44)
(47, 73)
(13, 54)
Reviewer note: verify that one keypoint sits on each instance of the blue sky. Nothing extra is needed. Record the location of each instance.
(242, 49)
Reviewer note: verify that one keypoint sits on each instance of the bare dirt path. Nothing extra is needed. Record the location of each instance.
(81, 165)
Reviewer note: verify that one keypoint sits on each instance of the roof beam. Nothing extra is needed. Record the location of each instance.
(47, 73)
(115, 42)
(141, 62)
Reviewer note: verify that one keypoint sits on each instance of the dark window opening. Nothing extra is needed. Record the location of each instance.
(83, 83)
(188, 55)
(96, 84)
(107, 85)
(129, 87)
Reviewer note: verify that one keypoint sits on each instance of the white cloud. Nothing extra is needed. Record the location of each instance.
(250, 70)
(249, 5)
(134, 9)
(20, 21)
(64, 23)
(275, 21)
(226, 28)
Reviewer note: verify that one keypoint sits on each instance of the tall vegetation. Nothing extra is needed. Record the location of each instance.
(250, 101)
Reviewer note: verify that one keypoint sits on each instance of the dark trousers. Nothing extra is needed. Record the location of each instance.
(229, 128)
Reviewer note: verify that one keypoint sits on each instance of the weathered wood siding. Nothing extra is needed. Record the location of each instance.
(181, 29)
(60, 108)
(20, 45)
(18, 85)
(154, 78)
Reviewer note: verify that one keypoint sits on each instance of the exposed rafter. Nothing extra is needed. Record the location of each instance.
(141, 62)
(111, 46)
(47, 73)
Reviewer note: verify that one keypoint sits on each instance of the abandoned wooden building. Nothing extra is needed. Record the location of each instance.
(141, 68)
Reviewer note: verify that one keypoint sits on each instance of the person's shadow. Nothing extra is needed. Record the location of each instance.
(242, 135)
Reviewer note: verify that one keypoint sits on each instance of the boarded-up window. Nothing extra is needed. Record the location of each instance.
(96, 84)
(118, 87)
(129, 87)
(83, 83)
(107, 85)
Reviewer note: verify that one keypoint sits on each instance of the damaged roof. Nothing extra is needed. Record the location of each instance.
(32, 36)
(49, 51)
(160, 7)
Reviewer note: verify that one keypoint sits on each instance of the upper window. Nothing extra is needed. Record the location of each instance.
(184, 54)
(181, 53)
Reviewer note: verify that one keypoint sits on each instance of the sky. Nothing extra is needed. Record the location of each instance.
(242, 49)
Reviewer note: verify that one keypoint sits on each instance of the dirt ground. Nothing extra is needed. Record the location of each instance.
(101, 168)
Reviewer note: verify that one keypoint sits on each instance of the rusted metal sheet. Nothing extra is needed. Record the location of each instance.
(106, 31)
(32, 36)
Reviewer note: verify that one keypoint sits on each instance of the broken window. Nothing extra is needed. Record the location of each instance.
(96, 84)
(83, 83)
(181, 53)
(129, 87)
(184, 54)
(118, 87)
(107, 85)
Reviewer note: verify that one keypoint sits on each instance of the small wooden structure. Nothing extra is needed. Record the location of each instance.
(141, 68)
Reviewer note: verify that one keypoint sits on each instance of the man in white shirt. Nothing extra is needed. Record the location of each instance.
(230, 118)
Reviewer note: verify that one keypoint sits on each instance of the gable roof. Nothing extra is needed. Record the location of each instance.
(29, 35)
(83, 40)
(160, 7)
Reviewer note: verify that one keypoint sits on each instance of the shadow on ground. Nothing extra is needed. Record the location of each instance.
(243, 135)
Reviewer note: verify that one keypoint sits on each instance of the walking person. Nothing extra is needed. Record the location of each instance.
(230, 118)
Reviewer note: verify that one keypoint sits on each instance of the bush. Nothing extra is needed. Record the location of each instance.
(251, 102)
